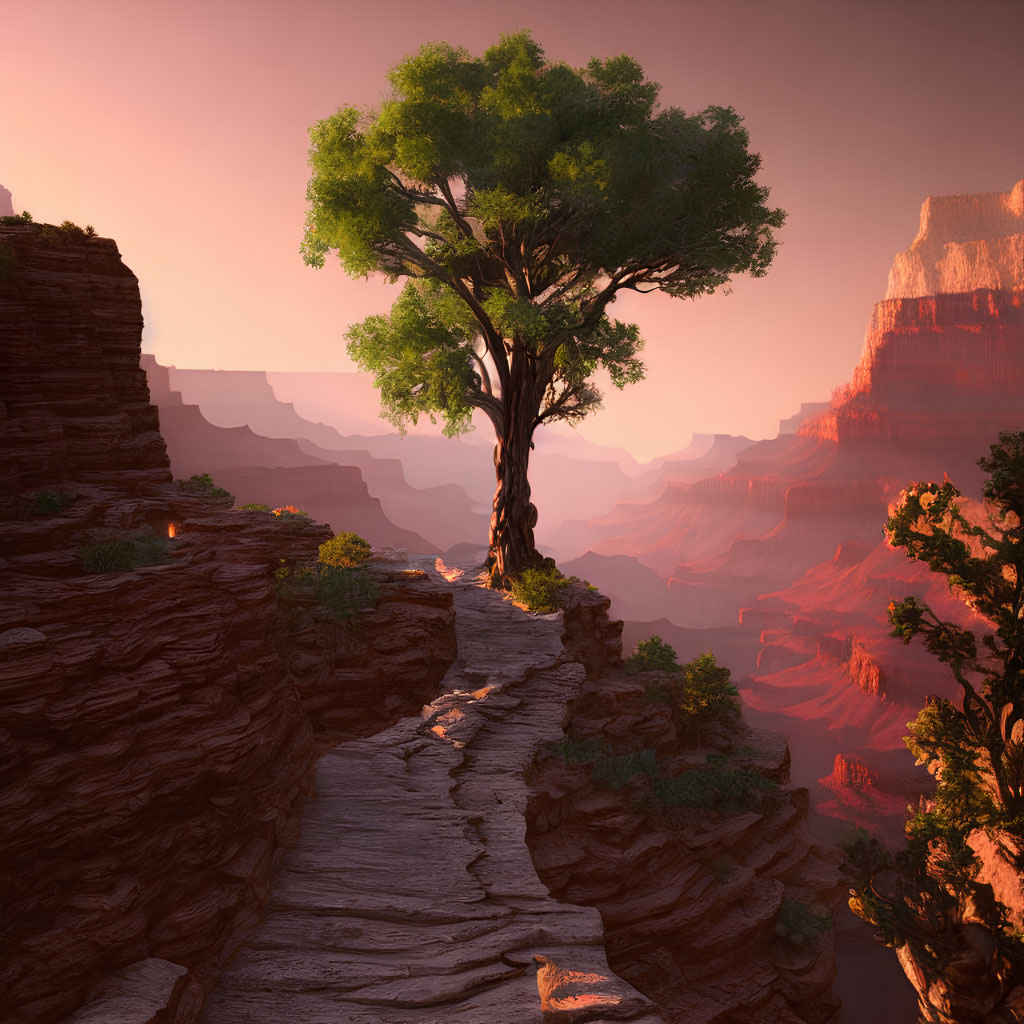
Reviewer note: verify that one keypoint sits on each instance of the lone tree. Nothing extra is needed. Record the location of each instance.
(519, 197)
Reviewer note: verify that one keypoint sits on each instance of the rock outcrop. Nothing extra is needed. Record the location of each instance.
(687, 897)
(279, 471)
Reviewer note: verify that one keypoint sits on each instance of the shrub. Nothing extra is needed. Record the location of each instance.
(202, 484)
(289, 510)
(716, 787)
(652, 655)
(118, 554)
(578, 749)
(345, 550)
(800, 924)
(699, 692)
(706, 691)
(344, 590)
(617, 770)
(538, 589)
(50, 503)
(252, 506)
(19, 218)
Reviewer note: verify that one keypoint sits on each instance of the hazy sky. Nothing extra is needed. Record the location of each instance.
(180, 129)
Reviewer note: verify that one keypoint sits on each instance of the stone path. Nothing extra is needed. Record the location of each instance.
(410, 897)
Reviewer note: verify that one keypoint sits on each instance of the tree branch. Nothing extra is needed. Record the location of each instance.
(485, 377)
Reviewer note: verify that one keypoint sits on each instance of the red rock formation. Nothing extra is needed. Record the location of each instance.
(964, 243)
(691, 909)
(74, 397)
(160, 722)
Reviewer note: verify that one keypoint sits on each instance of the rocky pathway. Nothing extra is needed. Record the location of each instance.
(410, 897)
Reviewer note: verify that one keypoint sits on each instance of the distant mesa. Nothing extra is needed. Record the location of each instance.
(6, 206)
(964, 243)
(791, 424)
(943, 362)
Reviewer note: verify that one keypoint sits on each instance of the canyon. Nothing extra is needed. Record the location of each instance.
(222, 801)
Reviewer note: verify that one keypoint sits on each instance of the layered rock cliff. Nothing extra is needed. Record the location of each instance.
(163, 708)
(717, 906)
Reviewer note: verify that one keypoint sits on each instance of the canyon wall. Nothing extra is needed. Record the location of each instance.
(784, 551)
(161, 716)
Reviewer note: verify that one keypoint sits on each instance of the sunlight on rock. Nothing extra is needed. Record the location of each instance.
(563, 991)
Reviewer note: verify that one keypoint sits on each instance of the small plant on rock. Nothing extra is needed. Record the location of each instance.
(578, 749)
(617, 770)
(716, 787)
(345, 550)
(699, 692)
(538, 588)
(652, 655)
(344, 590)
(122, 553)
(252, 506)
(202, 484)
(800, 924)
(50, 503)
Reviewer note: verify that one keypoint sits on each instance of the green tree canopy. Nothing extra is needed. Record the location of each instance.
(519, 196)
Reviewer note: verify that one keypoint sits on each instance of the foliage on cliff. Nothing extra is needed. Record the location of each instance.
(974, 746)
(699, 692)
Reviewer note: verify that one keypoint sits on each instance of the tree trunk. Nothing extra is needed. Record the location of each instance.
(514, 517)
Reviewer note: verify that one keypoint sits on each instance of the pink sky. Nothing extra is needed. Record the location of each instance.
(179, 129)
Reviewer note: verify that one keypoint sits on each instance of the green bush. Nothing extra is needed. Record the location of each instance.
(119, 554)
(19, 218)
(70, 228)
(538, 589)
(252, 506)
(50, 503)
(578, 749)
(345, 590)
(202, 483)
(716, 787)
(800, 924)
(699, 692)
(652, 655)
(617, 770)
(345, 550)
